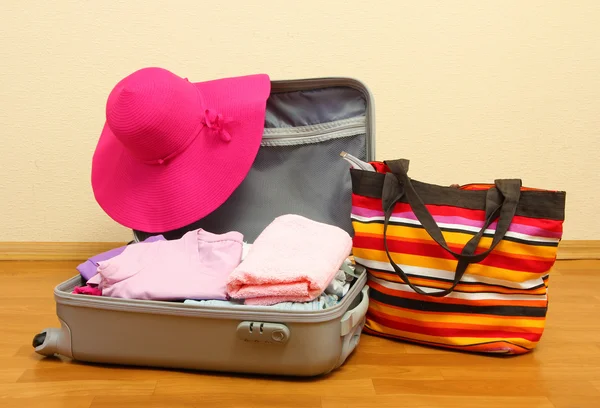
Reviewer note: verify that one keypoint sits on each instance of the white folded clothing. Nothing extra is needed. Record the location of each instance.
(322, 302)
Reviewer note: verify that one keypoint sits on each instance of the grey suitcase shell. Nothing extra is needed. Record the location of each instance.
(243, 339)
(298, 170)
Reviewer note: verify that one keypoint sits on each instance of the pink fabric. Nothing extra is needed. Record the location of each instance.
(292, 260)
(196, 266)
(88, 290)
(172, 151)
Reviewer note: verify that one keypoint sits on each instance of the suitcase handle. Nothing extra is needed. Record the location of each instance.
(354, 316)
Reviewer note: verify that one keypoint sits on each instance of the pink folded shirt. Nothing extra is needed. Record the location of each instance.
(196, 266)
(293, 260)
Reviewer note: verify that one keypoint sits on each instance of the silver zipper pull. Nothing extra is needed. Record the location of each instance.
(356, 162)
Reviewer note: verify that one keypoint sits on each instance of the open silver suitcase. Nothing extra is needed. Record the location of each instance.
(298, 170)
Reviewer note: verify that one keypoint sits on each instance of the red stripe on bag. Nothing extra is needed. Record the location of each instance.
(446, 332)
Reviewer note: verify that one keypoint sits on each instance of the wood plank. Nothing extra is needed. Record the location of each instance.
(93, 372)
(572, 401)
(520, 373)
(539, 387)
(23, 363)
(250, 400)
(437, 401)
(53, 251)
(15, 272)
(150, 401)
(79, 251)
(226, 384)
(356, 371)
(78, 388)
(47, 402)
(578, 249)
(9, 375)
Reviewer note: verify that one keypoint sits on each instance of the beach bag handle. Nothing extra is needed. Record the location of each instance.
(501, 205)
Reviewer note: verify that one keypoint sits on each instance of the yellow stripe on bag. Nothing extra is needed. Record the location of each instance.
(445, 265)
(455, 238)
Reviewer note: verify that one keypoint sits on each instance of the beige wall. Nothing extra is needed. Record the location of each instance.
(468, 90)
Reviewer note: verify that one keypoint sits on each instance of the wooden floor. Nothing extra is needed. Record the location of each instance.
(564, 371)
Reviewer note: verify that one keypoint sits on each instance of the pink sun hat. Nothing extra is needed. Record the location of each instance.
(172, 151)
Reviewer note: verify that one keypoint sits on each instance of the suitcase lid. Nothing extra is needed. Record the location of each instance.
(298, 169)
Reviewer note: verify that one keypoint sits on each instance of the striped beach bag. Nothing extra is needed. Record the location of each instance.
(455, 267)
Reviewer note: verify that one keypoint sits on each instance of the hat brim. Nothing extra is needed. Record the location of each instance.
(159, 198)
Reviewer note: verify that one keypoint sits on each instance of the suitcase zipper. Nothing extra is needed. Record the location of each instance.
(314, 133)
(180, 309)
(310, 83)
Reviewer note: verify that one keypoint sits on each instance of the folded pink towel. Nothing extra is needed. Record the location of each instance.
(292, 260)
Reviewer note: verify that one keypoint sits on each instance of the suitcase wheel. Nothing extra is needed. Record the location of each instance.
(52, 341)
(38, 340)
